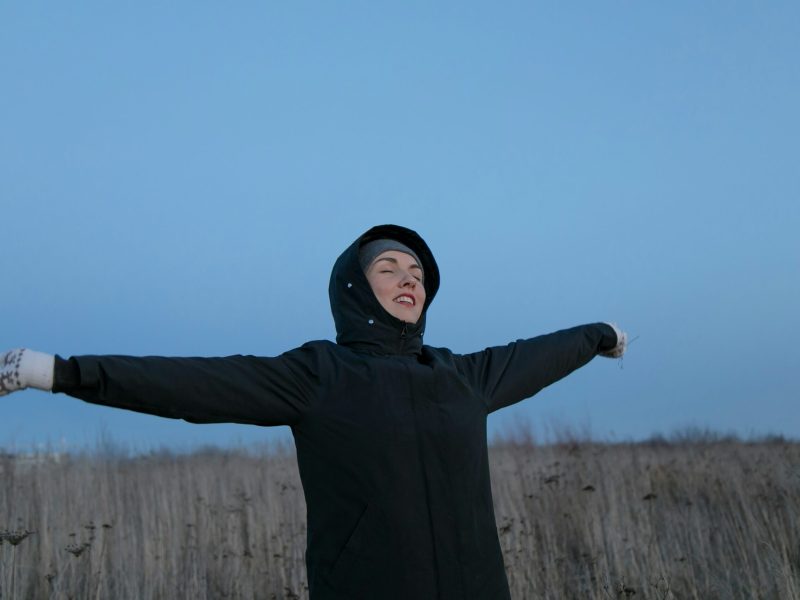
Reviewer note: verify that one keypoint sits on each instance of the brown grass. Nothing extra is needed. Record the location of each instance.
(702, 518)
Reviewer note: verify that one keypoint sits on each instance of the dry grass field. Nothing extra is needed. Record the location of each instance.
(703, 518)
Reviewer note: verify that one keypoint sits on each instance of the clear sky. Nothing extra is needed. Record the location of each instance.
(178, 179)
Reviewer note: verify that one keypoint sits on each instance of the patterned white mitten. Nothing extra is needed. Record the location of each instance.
(23, 368)
(622, 343)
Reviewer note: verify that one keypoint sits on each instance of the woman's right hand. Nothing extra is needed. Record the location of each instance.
(22, 368)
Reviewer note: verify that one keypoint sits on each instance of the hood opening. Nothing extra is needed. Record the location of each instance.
(361, 322)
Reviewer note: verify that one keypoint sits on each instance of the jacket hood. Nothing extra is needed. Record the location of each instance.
(361, 322)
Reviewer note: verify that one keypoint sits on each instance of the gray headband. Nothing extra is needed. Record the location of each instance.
(371, 250)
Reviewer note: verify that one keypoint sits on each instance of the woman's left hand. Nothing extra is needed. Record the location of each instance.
(622, 343)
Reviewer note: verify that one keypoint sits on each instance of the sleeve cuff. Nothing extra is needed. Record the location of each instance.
(66, 375)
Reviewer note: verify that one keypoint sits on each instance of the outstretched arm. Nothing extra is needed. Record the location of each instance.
(508, 374)
(234, 389)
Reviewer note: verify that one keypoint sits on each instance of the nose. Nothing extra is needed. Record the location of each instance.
(409, 280)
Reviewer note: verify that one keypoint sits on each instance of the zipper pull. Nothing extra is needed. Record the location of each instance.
(405, 330)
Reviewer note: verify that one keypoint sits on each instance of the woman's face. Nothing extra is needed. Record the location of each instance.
(396, 279)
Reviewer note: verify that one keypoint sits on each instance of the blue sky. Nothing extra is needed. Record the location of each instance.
(178, 180)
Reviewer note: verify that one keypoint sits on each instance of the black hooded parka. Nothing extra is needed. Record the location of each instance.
(390, 433)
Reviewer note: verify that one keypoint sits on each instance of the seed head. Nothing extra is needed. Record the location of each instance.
(77, 549)
(15, 536)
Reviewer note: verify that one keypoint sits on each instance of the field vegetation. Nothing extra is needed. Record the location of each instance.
(698, 516)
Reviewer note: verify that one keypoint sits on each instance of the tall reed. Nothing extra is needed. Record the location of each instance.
(698, 518)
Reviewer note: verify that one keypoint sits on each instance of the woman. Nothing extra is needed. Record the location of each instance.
(390, 433)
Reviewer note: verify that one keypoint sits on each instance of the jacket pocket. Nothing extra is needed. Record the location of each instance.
(350, 571)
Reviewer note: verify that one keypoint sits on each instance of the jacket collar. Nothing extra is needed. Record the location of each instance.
(361, 322)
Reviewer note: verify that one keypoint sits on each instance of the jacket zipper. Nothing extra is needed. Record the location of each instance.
(403, 336)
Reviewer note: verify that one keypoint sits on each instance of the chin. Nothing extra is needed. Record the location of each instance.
(406, 318)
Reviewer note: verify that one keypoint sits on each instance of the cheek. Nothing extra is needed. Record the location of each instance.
(384, 292)
(378, 286)
(384, 288)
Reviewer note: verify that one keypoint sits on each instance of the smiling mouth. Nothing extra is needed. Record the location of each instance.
(406, 300)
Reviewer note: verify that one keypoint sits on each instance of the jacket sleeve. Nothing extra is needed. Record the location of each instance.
(505, 375)
(234, 389)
